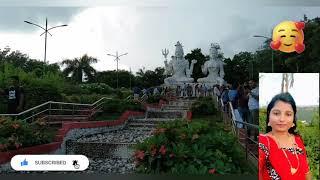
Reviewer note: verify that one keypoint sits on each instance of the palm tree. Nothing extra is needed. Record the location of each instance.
(79, 66)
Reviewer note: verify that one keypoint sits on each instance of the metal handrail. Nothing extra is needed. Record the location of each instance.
(64, 103)
(19, 114)
(91, 107)
(234, 125)
(35, 114)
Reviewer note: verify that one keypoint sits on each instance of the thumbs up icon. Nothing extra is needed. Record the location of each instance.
(24, 163)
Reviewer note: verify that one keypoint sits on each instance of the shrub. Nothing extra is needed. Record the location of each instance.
(15, 134)
(154, 99)
(132, 105)
(203, 106)
(97, 88)
(122, 93)
(125, 93)
(119, 106)
(113, 106)
(82, 99)
(70, 89)
(310, 135)
(41, 92)
(195, 148)
(37, 90)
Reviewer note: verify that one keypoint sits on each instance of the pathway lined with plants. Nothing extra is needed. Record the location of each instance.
(164, 142)
(202, 146)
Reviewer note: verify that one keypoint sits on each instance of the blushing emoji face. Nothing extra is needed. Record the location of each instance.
(288, 37)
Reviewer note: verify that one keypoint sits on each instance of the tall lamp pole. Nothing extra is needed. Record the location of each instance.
(269, 39)
(46, 31)
(117, 59)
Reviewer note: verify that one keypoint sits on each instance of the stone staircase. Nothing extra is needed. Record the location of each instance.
(116, 146)
(146, 122)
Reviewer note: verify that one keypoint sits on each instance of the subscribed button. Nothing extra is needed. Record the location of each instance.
(49, 162)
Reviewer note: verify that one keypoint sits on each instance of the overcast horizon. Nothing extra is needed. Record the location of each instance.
(305, 89)
(141, 30)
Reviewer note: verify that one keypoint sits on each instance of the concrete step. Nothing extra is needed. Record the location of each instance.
(150, 125)
(180, 103)
(170, 114)
(141, 128)
(151, 120)
(175, 108)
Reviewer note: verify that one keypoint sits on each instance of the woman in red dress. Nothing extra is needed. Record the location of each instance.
(282, 155)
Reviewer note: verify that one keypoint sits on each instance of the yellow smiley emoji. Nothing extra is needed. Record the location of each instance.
(288, 37)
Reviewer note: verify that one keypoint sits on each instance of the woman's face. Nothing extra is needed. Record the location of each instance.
(281, 117)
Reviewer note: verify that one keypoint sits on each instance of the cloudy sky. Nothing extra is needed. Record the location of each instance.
(142, 28)
(305, 89)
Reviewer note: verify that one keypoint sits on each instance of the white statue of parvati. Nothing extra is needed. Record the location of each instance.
(179, 68)
(214, 66)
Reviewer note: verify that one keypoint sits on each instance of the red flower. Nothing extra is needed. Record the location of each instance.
(212, 171)
(15, 126)
(139, 155)
(162, 150)
(171, 155)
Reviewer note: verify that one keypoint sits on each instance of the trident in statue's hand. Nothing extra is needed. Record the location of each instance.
(165, 53)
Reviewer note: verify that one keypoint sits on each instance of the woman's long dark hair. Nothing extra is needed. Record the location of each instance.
(287, 98)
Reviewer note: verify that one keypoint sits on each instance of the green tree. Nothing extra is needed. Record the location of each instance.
(201, 59)
(22, 61)
(237, 69)
(110, 78)
(77, 66)
(149, 78)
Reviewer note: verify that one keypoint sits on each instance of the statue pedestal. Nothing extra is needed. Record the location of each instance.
(181, 88)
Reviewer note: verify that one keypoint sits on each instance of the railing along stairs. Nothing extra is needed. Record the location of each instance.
(240, 129)
(52, 111)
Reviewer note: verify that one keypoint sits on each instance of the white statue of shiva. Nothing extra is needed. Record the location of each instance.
(179, 68)
(214, 66)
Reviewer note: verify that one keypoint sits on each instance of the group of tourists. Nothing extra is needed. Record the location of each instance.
(245, 102)
(194, 90)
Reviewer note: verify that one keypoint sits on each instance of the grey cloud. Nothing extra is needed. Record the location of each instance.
(12, 17)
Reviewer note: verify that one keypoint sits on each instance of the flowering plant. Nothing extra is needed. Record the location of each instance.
(196, 148)
(15, 134)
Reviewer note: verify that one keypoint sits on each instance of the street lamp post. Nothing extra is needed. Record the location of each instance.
(117, 59)
(46, 31)
(269, 39)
